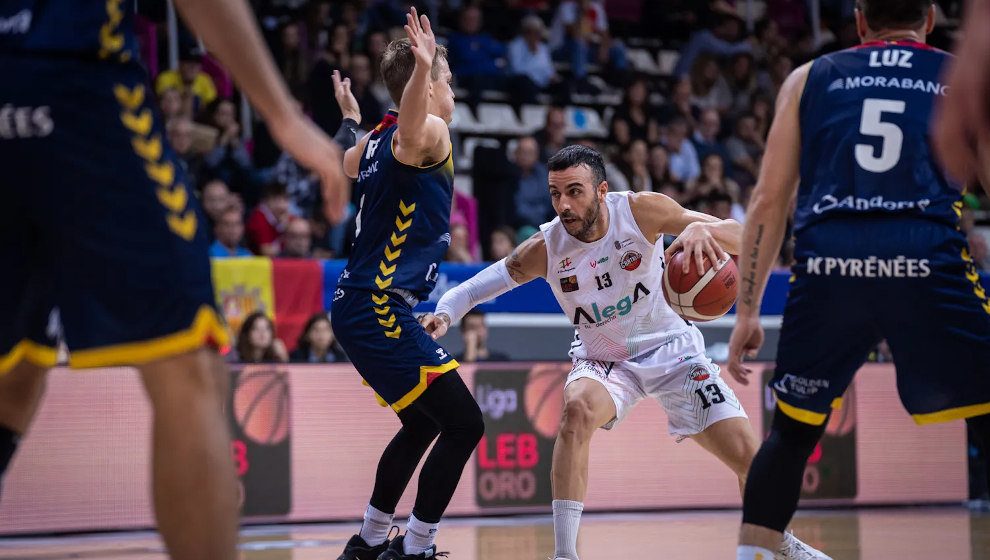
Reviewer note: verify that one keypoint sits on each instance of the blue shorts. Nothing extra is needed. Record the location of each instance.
(911, 282)
(102, 234)
(387, 345)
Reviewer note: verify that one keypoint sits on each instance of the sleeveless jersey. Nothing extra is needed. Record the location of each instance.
(611, 289)
(403, 224)
(88, 28)
(865, 146)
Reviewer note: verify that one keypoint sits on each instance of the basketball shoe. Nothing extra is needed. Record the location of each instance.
(397, 552)
(791, 548)
(357, 549)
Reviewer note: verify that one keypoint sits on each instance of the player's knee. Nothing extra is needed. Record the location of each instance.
(475, 426)
(197, 376)
(578, 419)
(793, 435)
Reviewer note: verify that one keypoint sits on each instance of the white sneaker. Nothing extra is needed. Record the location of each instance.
(791, 548)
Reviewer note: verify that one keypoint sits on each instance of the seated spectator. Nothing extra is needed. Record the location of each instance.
(228, 160)
(741, 79)
(769, 43)
(551, 138)
(713, 181)
(459, 252)
(297, 241)
(215, 199)
(673, 190)
(529, 57)
(719, 40)
(171, 106)
(268, 221)
(790, 17)
(579, 35)
(464, 207)
(705, 138)
(474, 333)
(680, 105)
(194, 85)
(684, 164)
(256, 343)
(301, 185)
(708, 85)
(532, 201)
(720, 205)
(180, 133)
(772, 79)
(472, 54)
(632, 120)
(634, 167)
(372, 110)
(503, 242)
(762, 110)
(659, 166)
(745, 148)
(317, 343)
(292, 58)
(229, 232)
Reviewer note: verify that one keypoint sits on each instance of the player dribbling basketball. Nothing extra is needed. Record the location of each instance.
(604, 266)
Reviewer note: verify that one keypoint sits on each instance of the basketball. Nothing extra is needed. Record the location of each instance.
(261, 406)
(544, 398)
(700, 295)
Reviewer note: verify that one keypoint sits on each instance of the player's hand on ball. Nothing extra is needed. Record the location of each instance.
(697, 243)
(424, 43)
(435, 325)
(747, 338)
(342, 92)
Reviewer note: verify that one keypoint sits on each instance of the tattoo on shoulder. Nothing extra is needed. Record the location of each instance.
(514, 264)
(749, 276)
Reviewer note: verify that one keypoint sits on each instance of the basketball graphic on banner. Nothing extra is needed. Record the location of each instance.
(544, 397)
(261, 406)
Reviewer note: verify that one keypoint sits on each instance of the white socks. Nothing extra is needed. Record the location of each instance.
(566, 518)
(419, 536)
(745, 552)
(376, 524)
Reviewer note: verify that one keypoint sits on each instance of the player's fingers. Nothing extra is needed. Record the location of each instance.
(699, 258)
(336, 79)
(711, 251)
(414, 17)
(425, 23)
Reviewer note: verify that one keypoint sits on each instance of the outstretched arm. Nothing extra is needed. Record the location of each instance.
(766, 220)
(528, 261)
(228, 29)
(421, 137)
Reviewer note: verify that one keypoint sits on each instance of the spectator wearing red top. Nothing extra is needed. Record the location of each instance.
(268, 221)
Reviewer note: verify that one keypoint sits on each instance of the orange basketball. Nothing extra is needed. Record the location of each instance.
(700, 295)
(261, 406)
(544, 397)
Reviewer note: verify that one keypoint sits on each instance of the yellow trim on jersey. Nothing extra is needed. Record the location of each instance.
(951, 414)
(37, 354)
(431, 167)
(205, 326)
(421, 386)
(837, 403)
(801, 415)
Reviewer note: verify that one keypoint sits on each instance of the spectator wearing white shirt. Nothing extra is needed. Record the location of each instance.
(684, 165)
(529, 56)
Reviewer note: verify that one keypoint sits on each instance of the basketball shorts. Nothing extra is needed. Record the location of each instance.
(677, 375)
(387, 345)
(911, 282)
(103, 240)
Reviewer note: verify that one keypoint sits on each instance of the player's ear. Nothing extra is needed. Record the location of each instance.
(602, 190)
(861, 28)
(930, 20)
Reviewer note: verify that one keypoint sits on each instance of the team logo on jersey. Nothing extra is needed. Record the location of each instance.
(569, 284)
(566, 265)
(699, 373)
(602, 260)
(620, 244)
(630, 261)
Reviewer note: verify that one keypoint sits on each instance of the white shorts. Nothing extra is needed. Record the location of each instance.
(678, 375)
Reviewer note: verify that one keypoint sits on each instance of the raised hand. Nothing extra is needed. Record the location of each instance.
(421, 38)
(348, 103)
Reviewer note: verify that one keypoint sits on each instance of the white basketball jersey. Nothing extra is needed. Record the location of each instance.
(611, 289)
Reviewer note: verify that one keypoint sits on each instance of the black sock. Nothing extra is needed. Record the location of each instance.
(8, 444)
(773, 484)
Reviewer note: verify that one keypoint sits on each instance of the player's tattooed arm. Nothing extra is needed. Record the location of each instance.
(749, 276)
(528, 261)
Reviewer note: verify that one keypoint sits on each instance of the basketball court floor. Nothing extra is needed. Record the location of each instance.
(946, 533)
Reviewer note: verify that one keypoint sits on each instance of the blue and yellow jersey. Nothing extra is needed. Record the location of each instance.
(865, 145)
(403, 225)
(86, 28)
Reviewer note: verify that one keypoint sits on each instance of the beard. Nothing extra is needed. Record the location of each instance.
(587, 221)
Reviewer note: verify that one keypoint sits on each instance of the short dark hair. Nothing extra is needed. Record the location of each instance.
(398, 63)
(274, 189)
(894, 14)
(575, 155)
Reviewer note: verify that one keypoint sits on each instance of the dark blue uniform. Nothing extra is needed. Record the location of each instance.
(97, 218)
(878, 250)
(403, 232)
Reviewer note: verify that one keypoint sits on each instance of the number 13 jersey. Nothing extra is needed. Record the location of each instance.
(865, 145)
(611, 289)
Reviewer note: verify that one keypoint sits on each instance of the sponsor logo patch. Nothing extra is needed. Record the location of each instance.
(631, 260)
(699, 373)
(569, 284)
(602, 260)
(565, 265)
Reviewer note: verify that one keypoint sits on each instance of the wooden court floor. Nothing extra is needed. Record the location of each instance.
(950, 533)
